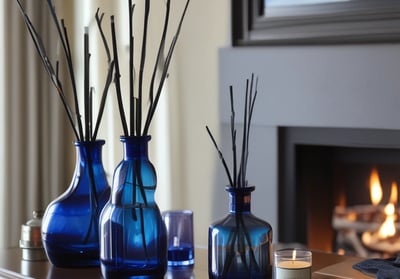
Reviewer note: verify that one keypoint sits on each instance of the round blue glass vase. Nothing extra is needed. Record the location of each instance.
(133, 238)
(239, 246)
(70, 223)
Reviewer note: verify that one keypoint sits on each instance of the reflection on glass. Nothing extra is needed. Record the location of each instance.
(276, 3)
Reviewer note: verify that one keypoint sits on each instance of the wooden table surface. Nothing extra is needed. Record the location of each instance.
(324, 265)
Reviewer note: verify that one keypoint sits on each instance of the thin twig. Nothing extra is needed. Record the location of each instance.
(164, 74)
(99, 19)
(117, 79)
(74, 90)
(251, 108)
(242, 178)
(233, 135)
(103, 99)
(131, 68)
(109, 74)
(221, 156)
(86, 83)
(239, 175)
(160, 51)
(141, 68)
(63, 36)
(47, 65)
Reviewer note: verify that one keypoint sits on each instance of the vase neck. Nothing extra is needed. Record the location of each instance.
(89, 150)
(135, 147)
(240, 199)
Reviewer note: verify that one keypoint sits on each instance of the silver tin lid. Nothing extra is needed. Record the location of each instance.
(31, 239)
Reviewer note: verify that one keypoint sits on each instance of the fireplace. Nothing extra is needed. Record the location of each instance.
(320, 168)
(350, 90)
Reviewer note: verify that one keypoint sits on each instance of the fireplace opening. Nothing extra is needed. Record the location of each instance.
(321, 169)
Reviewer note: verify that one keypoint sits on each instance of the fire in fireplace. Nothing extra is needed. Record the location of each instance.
(322, 169)
(369, 230)
(385, 239)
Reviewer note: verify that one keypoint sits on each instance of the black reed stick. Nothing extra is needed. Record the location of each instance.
(89, 134)
(86, 83)
(109, 74)
(48, 66)
(242, 171)
(152, 108)
(136, 110)
(141, 68)
(233, 135)
(131, 68)
(117, 79)
(221, 156)
(160, 51)
(238, 178)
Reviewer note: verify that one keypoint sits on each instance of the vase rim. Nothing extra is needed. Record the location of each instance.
(134, 138)
(232, 189)
(91, 142)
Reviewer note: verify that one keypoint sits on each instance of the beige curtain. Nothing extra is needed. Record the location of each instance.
(39, 156)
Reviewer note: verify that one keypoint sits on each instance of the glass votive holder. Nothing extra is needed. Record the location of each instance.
(292, 263)
(179, 225)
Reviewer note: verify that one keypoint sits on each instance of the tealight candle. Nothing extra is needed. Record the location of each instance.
(292, 264)
(179, 224)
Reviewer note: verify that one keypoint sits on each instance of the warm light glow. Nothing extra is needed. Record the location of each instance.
(342, 199)
(393, 194)
(388, 228)
(385, 239)
(375, 187)
(352, 216)
(389, 209)
(294, 255)
(341, 251)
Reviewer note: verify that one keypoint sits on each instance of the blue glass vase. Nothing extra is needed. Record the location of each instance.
(133, 235)
(70, 223)
(239, 246)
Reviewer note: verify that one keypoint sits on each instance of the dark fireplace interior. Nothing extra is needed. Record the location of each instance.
(320, 168)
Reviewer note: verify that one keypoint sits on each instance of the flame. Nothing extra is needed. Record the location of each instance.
(388, 228)
(375, 187)
(294, 255)
(393, 194)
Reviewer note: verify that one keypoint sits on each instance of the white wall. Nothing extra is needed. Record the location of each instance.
(317, 86)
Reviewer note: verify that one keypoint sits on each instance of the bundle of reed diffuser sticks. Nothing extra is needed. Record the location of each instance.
(138, 125)
(237, 178)
(90, 133)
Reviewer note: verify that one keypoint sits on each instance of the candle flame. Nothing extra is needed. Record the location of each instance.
(375, 187)
(294, 255)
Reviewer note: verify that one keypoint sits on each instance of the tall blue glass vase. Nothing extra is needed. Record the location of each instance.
(70, 224)
(239, 246)
(133, 234)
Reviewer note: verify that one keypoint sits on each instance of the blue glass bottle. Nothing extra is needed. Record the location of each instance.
(133, 236)
(70, 224)
(239, 246)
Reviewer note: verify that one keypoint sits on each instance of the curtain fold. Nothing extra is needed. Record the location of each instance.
(39, 154)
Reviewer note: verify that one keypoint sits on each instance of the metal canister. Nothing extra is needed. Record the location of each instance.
(31, 239)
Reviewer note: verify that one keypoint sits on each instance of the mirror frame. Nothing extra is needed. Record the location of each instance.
(354, 21)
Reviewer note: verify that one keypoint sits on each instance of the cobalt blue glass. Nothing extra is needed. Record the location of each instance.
(239, 246)
(70, 231)
(133, 237)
